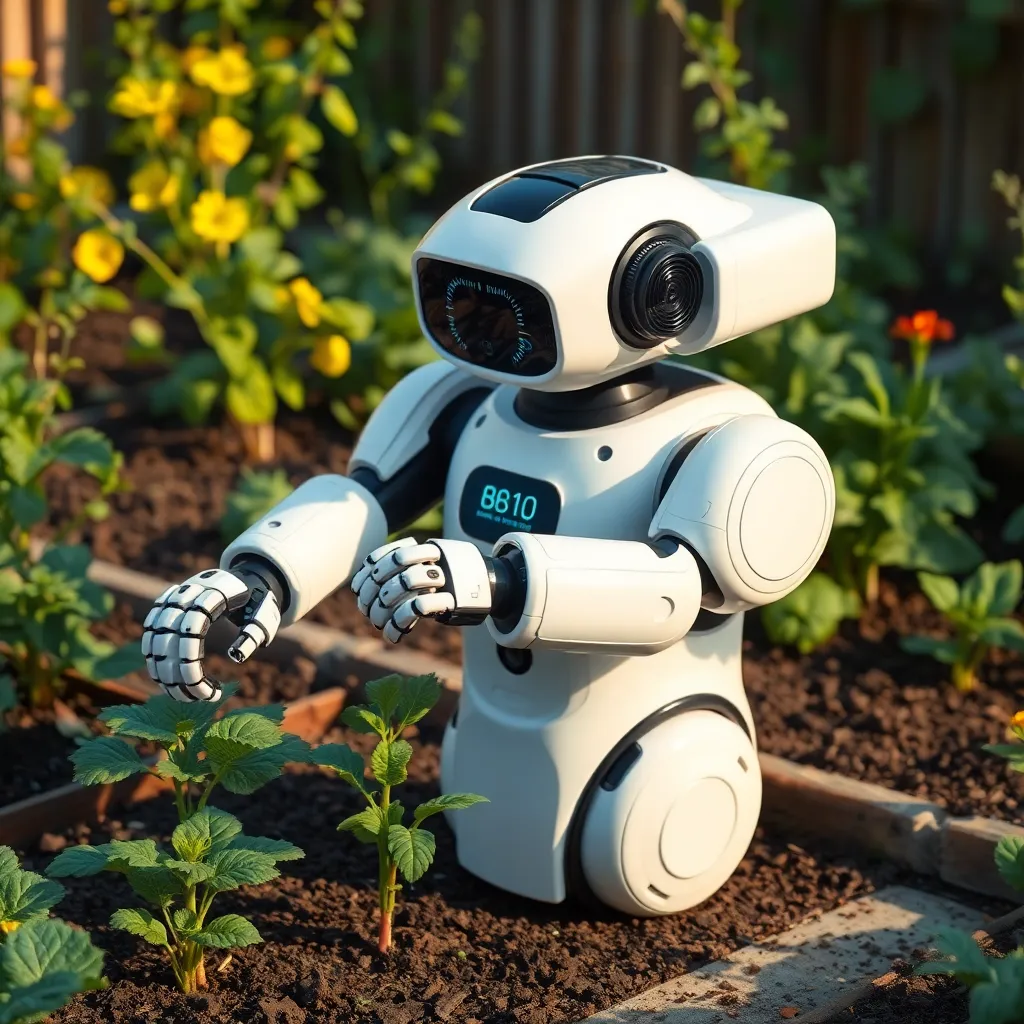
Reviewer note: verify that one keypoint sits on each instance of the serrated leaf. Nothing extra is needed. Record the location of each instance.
(419, 695)
(228, 932)
(385, 694)
(446, 802)
(104, 760)
(24, 895)
(207, 830)
(276, 848)
(366, 821)
(185, 920)
(161, 719)
(412, 849)
(1009, 859)
(364, 720)
(45, 947)
(344, 760)
(190, 873)
(79, 862)
(235, 736)
(157, 885)
(235, 868)
(248, 773)
(141, 923)
(29, 1003)
(389, 762)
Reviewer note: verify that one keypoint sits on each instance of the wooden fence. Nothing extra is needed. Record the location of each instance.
(559, 77)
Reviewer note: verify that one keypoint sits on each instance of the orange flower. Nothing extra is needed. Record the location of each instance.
(1018, 719)
(925, 326)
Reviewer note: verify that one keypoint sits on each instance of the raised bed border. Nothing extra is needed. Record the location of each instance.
(808, 801)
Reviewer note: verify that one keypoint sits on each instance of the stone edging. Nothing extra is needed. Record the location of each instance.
(879, 821)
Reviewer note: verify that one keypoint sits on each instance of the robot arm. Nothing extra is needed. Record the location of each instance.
(313, 541)
(741, 523)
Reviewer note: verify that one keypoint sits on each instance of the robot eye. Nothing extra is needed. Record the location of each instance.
(657, 288)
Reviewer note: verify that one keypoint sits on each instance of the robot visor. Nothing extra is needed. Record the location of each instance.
(489, 320)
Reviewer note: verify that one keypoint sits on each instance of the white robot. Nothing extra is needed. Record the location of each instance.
(609, 517)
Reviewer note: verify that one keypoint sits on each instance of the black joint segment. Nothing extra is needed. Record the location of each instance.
(507, 575)
(254, 570)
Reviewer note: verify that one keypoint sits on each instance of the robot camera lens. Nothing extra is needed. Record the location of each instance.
(661, 291)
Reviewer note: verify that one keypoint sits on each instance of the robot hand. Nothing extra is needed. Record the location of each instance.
(174, 637)
(403, 582)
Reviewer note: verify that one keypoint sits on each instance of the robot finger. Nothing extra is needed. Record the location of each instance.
(246, 643)
(185, 595)
(409, 581)
(205, 689)
(392, 564)
(373, 558)
(194, 623)
(379, 614)
(405, 615)
(367, 595)
(230, 587)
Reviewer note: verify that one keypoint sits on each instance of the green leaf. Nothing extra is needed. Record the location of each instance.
(207, 830)
(946, 651)
(811, 614)
(1010, 861)
(385, 694)
(24, 895)
(237, 735)
(146, 332)
(412, 849)
(707, 114)
(251, 398)
(446, 802)
(27, 506)
(141, 923)
(161, 719)
(84, 447)
(695, 73)
(362, 719)
(188, 872)
(79, 862)
(157, 885)
(1006, 633)
(444, 122)
(1008, 579)
(389, 761)
(971, 964)
(419, 695)
(12, 307)
(235, 868)
(1011, 751)
(228, 932)
(251, 771)
(344, 760)
(942, 591)
(367, 821)
(185, 920)
(30, 1003)
(338, 110)
(276, 848)
(48, 947)
(104, 760)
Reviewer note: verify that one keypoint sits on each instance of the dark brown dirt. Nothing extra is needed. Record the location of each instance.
(464, 951)
(35, 753)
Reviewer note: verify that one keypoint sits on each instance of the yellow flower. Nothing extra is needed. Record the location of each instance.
(215, 218)
(276, 48)
(332, 356)
(1018, 720)
(43, 98)
(98, 255)
(24, 200)
(87, 183)
(6, 927)
(19, 68)
(153, 187)
(224, 140)
(136, 98)
(192, 55)
(227, 73)
(308, 300)
(165, 125)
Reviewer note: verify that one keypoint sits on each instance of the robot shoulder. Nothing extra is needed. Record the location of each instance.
(424, 407)
(754, 499)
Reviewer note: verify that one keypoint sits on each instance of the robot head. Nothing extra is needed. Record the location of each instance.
(561, 275)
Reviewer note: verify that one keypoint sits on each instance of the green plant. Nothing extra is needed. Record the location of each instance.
(811, 614)
(241, 751)
(47, 602)
(979, 610)
(397, 703)
(1009, 186)
(255, 494)
(43, 961)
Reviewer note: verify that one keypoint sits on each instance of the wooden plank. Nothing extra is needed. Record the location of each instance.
(882, 821)
(967, 855)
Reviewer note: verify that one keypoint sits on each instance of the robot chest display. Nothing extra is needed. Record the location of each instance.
(509, 477)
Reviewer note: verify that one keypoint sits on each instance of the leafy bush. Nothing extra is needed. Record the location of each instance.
(811, 614)
(980, 613)
(242, 751)
(47, 603)
(398, 702)
(255, 494)
(43, 962)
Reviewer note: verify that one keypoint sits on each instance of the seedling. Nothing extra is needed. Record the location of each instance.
(397, 703)
(43, 962)
(242, 751)
(979, 611)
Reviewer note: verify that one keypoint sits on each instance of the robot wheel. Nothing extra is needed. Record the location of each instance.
(670, 814)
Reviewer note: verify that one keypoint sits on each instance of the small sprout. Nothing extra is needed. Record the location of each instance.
(461, 954)
(43, 962)
(979, 610)
(397, 703)
(241, 751)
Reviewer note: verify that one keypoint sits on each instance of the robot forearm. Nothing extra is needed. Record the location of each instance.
(314, 541)
(599, 596)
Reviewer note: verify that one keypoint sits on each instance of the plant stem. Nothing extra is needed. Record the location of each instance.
(387, 875)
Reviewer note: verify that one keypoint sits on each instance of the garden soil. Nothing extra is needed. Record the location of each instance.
(859, 706)
(464, 951)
